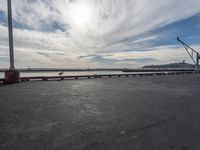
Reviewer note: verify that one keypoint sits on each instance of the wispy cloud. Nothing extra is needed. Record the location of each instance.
(58, 32)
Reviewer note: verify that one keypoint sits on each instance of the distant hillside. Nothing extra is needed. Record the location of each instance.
(172, 65)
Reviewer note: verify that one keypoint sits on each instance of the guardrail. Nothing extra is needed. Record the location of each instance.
(46, 78)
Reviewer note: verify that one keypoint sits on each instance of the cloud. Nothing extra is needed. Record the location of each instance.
(158, 55)
(64, 32)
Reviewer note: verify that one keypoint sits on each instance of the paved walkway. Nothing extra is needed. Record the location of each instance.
(141, 113)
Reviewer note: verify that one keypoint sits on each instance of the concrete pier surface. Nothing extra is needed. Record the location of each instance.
(134, 113)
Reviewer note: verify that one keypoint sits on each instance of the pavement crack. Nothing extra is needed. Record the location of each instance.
(127, 133)
(149, 126)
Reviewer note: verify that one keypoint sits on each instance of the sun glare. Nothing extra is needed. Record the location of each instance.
(80, 14)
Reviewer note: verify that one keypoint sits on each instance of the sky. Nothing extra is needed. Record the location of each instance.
(99, 33)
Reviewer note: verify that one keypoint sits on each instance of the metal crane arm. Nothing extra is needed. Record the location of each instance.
(191, 53)
(183, 43)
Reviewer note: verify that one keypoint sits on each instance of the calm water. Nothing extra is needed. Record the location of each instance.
(25, 74)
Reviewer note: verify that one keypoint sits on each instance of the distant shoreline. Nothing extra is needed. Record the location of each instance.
(93, 70)
(173, 66)
(62, 69)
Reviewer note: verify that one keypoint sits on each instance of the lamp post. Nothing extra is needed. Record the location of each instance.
(12, 75)
(10, 32)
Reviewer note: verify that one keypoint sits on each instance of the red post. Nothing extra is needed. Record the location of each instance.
(12, 76)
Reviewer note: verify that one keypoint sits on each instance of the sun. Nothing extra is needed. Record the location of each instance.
(80, 13)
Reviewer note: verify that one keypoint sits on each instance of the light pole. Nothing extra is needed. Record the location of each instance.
(11, 75)
(10, 33)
